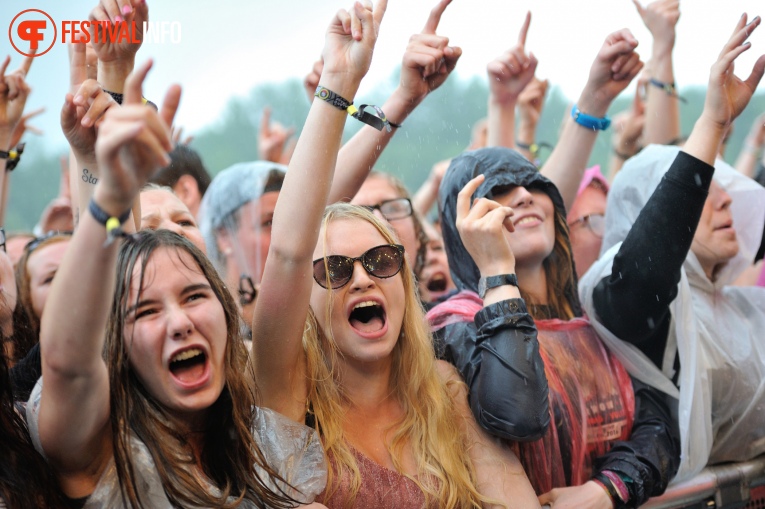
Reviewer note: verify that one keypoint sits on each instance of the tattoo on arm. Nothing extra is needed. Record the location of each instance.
(88, 177)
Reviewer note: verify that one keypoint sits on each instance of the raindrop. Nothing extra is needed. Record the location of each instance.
(697, 178)
(651, 323)
(620, 274)
(657, 299)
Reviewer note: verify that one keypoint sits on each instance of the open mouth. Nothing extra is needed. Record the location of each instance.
(189, 365)
(437, 283)
(367, 317)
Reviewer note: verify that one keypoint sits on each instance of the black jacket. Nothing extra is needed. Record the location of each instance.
(498, 353)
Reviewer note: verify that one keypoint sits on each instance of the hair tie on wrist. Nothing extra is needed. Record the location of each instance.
(113, 224)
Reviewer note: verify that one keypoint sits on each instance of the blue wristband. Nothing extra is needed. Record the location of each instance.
(588, 121)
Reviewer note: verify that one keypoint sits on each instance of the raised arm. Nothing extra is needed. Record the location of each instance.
(662, 118)
(117, 59)
(279, 316)
(73, 423)
(751, 153)
(530, 104)
(648, 289)
(427, 62)
(13, 97)
(613, 69)
(508, 76)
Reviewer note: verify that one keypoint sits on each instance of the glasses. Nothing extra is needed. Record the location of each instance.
(382, 262)
(595, 222)
(392, 209)
(34, 243)
(2, 240)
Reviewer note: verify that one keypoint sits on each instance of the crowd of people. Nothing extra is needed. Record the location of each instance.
(302, 331)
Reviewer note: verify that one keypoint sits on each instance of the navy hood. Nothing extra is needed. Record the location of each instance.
(502, 168)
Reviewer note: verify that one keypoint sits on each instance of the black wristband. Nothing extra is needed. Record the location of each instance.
(13, 156)
(102, 216)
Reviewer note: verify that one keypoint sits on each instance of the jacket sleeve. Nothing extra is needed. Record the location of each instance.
(633, 302)
(651, 456)
(498, 356)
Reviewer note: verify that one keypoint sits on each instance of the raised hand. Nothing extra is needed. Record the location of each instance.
(116, 11)
(133, 142)
(83, 109)
(614, 68)
(727, 95)
(350, 41)
(22, 127)
(513, 70)
(628, 127)
(177, 136)
(13, 97)
(311, 81)
(482, 229)
(272, 139)
(531, 100)
(660, 17)
(428, 59)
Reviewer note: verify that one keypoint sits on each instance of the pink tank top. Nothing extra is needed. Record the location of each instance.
(381, 488)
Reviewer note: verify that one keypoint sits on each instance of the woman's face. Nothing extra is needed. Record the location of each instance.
(715, 241)
(585, 243)
(176, 334)
(435, 279)
(376, 190)
(367, 313)
(42, 266)
(534, 220)
(162, 210)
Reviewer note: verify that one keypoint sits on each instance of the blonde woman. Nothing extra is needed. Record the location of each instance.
(340, 340)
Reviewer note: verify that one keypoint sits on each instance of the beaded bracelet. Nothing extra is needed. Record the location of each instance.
(13, 156)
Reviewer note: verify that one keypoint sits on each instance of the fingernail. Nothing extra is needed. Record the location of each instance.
(126, 9)
(77, 99)
(86, 121)
(118, 18)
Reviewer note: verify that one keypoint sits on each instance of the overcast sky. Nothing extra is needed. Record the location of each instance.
(229, 46)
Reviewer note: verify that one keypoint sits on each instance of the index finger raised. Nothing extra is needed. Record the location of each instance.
(463, 198)
(524, 29)
(379, 11)
(435, 17)
(26, 64)
(134, 84)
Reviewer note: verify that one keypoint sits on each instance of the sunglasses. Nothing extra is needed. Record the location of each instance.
(34, 243)
(382, 262)
(391, 210)
(595, 222)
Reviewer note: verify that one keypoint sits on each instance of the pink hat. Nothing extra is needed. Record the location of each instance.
(593, 175)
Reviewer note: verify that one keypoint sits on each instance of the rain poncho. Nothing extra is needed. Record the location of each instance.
(496, 350)
(715, 330)
(291, 449)
(229, 191)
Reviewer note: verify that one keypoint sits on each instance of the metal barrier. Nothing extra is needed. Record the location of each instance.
(730, 486)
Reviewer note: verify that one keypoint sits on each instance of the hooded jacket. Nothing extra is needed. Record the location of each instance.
(684, 330)
(497, 352)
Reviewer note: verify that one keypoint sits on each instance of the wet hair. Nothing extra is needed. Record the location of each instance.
(26, 480)
(183, 161)
(429, 426)
(230, 454)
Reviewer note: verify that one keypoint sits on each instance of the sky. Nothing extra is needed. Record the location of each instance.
(229, 46)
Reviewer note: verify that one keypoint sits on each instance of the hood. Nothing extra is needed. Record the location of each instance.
(637, 181)
(501, 167)
(231, 189)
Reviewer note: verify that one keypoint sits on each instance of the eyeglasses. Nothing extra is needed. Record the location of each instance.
(595, 222)
(2, 240)
(34, 243)
(392, 209)
(382, 262)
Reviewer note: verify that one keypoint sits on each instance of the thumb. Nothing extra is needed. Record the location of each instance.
(639, 7)
(757, 71)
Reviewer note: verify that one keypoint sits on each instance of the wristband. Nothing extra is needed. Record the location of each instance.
(13, 156)
(113, 224)
(588, 121)
(619, 485)
(341, 103)
(118, 98)
(668, 88)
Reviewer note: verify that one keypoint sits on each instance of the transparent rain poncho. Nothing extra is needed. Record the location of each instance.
(716, 329)
(291, 449)
(222, 214)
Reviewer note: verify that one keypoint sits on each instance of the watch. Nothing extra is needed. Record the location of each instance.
(487, 283)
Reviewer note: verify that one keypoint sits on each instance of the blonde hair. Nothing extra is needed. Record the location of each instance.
(430, 425)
